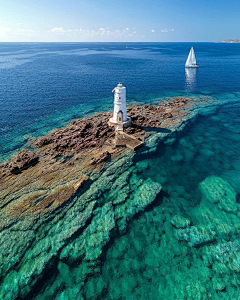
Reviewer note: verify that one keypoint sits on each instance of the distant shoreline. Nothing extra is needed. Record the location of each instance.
(229, 41)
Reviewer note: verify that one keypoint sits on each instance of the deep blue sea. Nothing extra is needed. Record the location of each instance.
(45, 85)
(186, 244)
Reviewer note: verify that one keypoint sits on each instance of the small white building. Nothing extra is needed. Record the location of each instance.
(120, 109)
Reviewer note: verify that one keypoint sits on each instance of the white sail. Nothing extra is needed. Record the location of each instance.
(191, 60)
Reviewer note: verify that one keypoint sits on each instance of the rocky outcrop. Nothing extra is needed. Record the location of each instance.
(93, 133)
(102, 158)
(81, 134)
(43, 141)
(87, 133)
(80, 183)
(23, 160)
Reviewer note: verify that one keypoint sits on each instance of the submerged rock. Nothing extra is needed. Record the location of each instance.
(13, 249)
(180, 222)
(142, 165)
(227, 253)
(43, 252)
(196, 235)
(98, 233)
(219, 192)
(70, 293)
(146, 194)
(218, 284)
(91, 242)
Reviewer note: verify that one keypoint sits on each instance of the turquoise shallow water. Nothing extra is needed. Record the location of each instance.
(149, 262)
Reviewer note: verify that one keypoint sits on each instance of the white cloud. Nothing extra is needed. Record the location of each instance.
(92, 34)
(167, 30)
(58, 30)
(68, 34)
(152, 30)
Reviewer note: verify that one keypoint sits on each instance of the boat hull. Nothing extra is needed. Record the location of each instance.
(191, 66)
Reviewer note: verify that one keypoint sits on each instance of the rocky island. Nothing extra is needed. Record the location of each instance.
(62, 203)
(229, 41)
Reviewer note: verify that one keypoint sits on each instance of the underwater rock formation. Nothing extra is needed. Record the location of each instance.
(196, 235)
(64, 213)
(148, 261)
(218, 200)
(74, 235)
(180, 222)
(220, 192)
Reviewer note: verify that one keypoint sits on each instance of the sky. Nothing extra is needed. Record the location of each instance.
(119, 21)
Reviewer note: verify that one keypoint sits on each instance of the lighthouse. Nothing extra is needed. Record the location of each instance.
(120, 109)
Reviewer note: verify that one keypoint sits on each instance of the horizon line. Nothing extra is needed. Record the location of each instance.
(92, 42)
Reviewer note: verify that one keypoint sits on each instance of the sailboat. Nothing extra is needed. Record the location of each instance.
(191, 60)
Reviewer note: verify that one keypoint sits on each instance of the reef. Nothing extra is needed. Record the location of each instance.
(66, 201)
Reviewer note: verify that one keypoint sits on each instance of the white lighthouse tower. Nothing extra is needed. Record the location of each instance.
(120, 109)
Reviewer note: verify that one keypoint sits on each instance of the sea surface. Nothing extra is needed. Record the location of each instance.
(186, 244)
(45, 85)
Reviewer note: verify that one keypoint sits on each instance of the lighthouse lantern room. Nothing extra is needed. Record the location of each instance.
(120, 109)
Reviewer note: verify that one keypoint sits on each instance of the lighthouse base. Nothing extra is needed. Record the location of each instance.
(125, 124)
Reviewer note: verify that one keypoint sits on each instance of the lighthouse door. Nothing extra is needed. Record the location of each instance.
(120, 117)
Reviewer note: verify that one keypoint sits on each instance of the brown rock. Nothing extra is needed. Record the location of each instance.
(43, 141)
(103, 157)
(167, 115)
(23, 160)
(80, 183)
